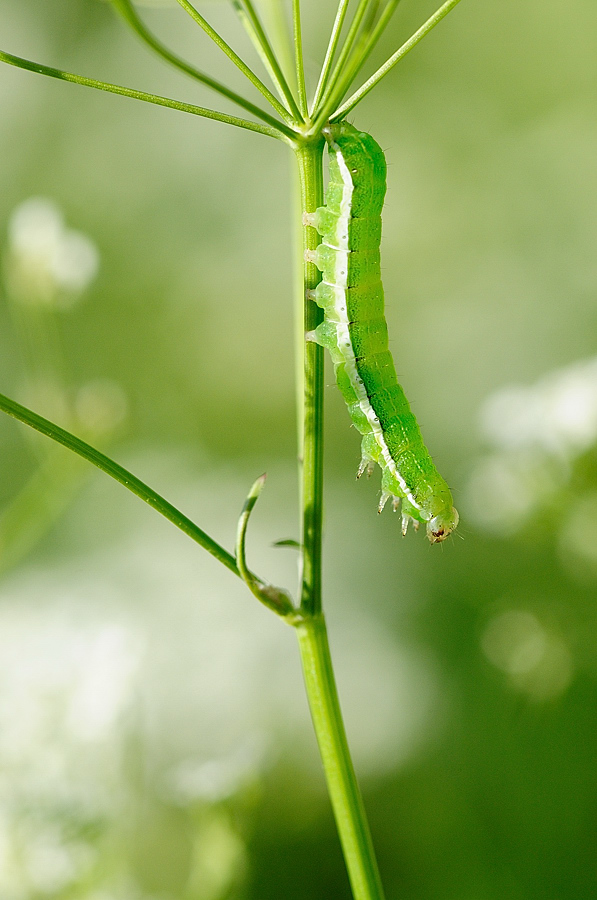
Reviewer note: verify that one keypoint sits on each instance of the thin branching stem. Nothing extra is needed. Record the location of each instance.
(327, 102)
(330, 53)
(367, 26)
(129, 14)
(122, 475)
(431, 22)
(364, 46)
(369, 20)
(235, 58)
(298, 57)
(251, 22)
(378, 30)
(369, 38)
(281, 131)
(277, 26)
(274, 598)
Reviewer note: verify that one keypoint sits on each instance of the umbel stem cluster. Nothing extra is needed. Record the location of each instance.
(297, 118)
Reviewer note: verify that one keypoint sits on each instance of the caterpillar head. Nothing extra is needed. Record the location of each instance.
(442, 525)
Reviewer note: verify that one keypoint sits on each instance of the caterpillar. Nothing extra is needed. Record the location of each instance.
(354, 330)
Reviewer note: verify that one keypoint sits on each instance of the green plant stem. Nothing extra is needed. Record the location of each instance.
(374, 34)
(369, 21)
(274, 598)
(329, 99)
(408, 45)
(281, 132)
(330, 53)
(365, 45)
(235, 58)
(122, 475)
(276, 24)
(298, 56)
(129, 14)
(345, 795)
(298, 272)
(251, 22)
(311, 632)
(309, 158)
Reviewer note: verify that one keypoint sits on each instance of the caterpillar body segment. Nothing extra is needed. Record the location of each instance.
(354, 331)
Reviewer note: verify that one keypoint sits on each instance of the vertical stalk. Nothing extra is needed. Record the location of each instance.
(320, 684)
(347, 803)
(309, 157)
(298, 275)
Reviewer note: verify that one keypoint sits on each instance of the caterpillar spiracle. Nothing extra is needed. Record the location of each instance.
(354, 330)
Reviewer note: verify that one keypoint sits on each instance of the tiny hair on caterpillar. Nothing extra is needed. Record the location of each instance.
(354, 330)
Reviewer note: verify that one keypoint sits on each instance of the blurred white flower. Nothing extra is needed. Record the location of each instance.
(557, 414)
(47, 263)
(214, 780)
(57, 675)
(146, 645)
(537, 661)
(52, 862)
(64, 685)
(535, 435)
(505, 489)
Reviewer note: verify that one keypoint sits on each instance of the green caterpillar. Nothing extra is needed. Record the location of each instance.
(354, 330)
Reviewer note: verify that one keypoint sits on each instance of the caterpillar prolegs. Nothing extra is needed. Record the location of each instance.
(354, 330)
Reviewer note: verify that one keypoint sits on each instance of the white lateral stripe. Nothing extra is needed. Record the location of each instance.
(344, 339)
(339, 249)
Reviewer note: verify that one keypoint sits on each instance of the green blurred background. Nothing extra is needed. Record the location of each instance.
(154, 738)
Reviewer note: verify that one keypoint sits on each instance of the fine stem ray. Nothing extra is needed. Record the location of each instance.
(298, 56)
(362, 53)
(126, 9)
(330, 53)
(277, 26)
(365, 44)
(281, 131)
(383, 70)
(235, 58)
(327, 102)
(251, 22)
